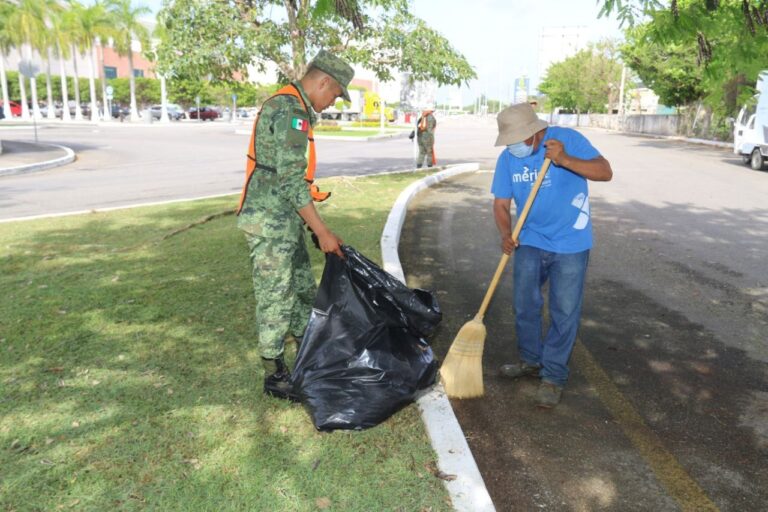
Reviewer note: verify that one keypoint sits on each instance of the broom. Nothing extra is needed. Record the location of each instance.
(462, 369)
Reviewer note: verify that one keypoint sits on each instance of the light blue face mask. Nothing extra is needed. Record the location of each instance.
(520, 149)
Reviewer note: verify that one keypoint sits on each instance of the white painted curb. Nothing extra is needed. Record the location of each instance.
(40, 166)
(468, 491)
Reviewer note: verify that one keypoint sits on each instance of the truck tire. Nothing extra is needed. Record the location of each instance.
(746, 159)
(757, 161)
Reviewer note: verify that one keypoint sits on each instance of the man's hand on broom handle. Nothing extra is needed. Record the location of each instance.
(508, 244)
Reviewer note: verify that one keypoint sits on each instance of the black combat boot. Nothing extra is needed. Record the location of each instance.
(277, 379)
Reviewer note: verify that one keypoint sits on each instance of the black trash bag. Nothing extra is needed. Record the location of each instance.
(364, 355)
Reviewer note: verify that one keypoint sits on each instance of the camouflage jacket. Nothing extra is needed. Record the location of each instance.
(277, 189)
(429, 132)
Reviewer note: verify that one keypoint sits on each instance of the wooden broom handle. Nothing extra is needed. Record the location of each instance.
(515, 234)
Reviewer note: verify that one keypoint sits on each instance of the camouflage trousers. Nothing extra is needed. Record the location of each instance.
(426, 151)
(284, 288)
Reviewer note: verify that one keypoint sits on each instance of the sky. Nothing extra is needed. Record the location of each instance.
(499, 38)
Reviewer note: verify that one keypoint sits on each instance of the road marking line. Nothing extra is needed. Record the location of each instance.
(670, 473)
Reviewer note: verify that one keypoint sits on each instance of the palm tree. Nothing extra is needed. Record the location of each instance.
(28, 19)
(71, 25)
(6, 43)
(127, 29)
(92, 22)
(61, 38)
(160, 34)
(103, 77)
(48, 9)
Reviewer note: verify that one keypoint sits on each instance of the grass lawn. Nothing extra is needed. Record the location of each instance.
(129, 378)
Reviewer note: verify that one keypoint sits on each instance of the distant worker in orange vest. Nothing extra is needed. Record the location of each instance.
(277, 201)
(425, 136)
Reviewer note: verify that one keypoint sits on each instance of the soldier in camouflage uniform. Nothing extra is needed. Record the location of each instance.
(277, 202)
(425, 136)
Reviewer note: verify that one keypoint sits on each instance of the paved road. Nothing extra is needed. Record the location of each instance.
(667, 408)
(121, 164)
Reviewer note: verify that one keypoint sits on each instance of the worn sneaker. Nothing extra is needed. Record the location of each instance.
(521, 369)
(548, 395)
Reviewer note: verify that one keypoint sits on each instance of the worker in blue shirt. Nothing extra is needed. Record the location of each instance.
(554, 243)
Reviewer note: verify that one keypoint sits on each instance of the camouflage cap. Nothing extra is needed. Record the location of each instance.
(336, 68)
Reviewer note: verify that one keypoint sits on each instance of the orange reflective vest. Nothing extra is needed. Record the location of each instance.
(251, 164)
(423, 120)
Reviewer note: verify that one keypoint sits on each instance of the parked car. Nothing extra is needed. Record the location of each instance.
(245, 113)
(15, 108)
(57, 110)
(120, 112)
(175, 112)
(206, 113)
(85, 108)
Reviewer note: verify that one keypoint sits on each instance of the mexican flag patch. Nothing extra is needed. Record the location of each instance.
(299, 124)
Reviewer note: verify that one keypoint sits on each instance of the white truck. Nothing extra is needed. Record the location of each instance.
(750, 130)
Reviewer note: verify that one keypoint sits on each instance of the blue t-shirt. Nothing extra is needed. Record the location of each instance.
(559, 219)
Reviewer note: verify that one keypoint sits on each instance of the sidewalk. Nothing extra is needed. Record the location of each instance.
(21, 157)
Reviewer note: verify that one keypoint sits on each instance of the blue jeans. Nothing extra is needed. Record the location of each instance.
(565, 272)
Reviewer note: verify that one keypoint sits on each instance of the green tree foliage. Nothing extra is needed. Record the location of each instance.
(147, 91)
(220, 39)
(587, 81)
(727, 38)
(669, 69)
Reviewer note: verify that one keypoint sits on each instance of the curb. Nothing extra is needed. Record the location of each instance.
(40, 166)
(678, 138)
(468, 492)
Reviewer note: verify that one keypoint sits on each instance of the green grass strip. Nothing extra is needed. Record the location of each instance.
(130, 380)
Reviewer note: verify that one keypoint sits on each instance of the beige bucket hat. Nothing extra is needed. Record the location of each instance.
(517, 123)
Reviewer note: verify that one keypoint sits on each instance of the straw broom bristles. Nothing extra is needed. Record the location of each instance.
(462, 372)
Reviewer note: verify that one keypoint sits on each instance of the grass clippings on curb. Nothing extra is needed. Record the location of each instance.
(130, 380)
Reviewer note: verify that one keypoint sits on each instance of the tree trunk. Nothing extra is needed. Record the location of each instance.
(33, 92)
(102, 74)
(64, 96)
(92, 83)
(51, 114)
(78, 110)
(132, 83)
(163, 101)
(4, 81)
(297, 39)
(23, 92)
(33, 88)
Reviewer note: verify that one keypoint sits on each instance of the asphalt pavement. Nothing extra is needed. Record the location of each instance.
(667, 406)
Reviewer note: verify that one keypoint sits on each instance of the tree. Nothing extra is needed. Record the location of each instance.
(27, 18)
(222, 39)
(50, 11)
(71, 24)
(127, 28)
(727, 38)
(6, 43)
(90, 23)
(585, 81)
(61, 38)
(670, 68)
